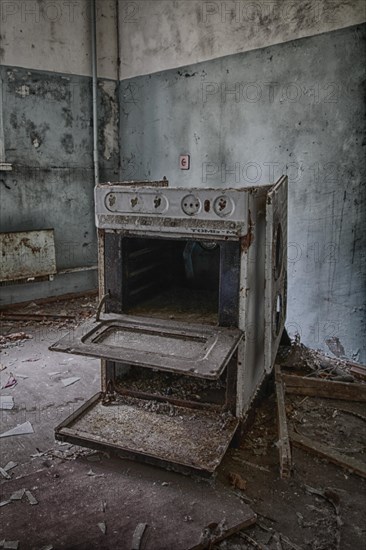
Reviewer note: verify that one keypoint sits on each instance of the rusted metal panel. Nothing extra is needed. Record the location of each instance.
(186, 438)
(140, 183)
(27, 254)
(196, 350)
(194, 212)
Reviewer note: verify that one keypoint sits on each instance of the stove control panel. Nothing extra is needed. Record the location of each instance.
(205, 211)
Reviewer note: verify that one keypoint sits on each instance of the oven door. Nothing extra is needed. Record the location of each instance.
(175, 437)
(195, 350)
(181, 437)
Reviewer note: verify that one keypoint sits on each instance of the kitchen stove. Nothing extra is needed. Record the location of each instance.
(193, 288)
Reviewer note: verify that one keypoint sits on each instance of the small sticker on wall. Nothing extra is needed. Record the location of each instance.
(184, 162)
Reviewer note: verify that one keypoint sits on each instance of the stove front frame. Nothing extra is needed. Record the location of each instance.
(250, 280)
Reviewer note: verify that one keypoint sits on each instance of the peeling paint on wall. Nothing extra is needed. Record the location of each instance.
(48, 139)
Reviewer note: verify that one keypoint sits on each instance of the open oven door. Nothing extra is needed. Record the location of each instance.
(201, 351)
(180, 437)
(275, 269)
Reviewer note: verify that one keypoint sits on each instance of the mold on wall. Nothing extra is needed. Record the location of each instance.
(295, 108)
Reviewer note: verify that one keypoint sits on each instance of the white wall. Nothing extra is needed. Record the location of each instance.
(54, 35)
(163, 34)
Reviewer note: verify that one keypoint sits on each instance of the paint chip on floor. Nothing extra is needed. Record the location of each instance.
(102, 526)
(21, 429)
(31, 498)
(10, 465)
(6, 402)
(17, 495)
(69, 381)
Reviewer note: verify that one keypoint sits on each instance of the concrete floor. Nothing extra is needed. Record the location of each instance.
(78, 489)
(41, 398)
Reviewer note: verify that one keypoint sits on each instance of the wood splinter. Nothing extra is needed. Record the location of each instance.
(284, 442)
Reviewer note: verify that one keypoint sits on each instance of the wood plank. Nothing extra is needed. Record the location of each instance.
(284, 443)
(324, 451)
(359, 371)
(316, 387)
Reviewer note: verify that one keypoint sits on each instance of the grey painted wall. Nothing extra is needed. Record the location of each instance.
(48, 139)
(295, 108)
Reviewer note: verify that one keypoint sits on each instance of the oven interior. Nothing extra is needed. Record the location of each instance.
(171, 279)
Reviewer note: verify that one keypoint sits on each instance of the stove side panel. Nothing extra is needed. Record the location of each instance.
(251, 361)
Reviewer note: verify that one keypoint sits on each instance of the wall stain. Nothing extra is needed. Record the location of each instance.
(36, 134)
(186, 74)
(67, 116)
(67, 142)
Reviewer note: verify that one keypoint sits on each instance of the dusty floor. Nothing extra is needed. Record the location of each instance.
(320, 507)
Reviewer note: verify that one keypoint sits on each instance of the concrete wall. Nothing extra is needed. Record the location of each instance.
(47, 120)
(156, 35)
(47, 130)
(293, 108)
(54, 35)
(249, 89)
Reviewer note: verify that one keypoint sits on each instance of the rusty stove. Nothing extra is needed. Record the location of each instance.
(193, 287)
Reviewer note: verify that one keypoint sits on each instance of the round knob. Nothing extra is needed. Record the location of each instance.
(223, 206)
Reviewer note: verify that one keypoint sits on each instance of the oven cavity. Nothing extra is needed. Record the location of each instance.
(171, 279)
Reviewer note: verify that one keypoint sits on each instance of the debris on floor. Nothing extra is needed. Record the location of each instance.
(11, 382)
(6, 402)
(4, 473)
(237, 481)
(11, 544)
(320, 507)
(70, 381)
(138, 536)
(93, 474)
(10, 466)
(102, 526)
(8, 339)
(18, 495)
(313, 387)
(31, 498)
(21, 429)
(283, 442)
